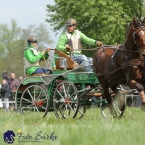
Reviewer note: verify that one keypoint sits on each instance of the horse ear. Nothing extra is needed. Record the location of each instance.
(134, 20)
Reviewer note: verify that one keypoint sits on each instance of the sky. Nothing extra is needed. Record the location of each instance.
(25, 13)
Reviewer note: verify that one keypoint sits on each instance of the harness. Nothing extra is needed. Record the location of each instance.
(133, 62)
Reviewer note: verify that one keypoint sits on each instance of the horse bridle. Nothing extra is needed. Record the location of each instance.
(142, 28)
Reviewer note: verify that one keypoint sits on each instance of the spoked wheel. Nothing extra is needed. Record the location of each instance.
(65, 100)
(116, 109)
(34, 101)
(119, 104)
(81, 111)
(105, 111)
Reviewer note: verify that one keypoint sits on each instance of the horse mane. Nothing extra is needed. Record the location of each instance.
(128, 29)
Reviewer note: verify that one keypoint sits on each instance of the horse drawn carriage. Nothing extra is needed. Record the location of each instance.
(69, 90)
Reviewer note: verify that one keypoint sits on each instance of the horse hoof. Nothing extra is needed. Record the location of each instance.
(142, 106)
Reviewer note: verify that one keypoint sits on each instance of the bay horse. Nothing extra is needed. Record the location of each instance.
(123, 64)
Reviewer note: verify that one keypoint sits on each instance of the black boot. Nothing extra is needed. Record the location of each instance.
(142, 106)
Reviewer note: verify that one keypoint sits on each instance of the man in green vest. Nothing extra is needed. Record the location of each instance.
(32, 56)
(70, 41)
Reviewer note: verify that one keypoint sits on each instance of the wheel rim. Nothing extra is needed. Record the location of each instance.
(105, 111)
(116, 112)
(65, 100)
(34, 101)
(81, 111)
(119, 104)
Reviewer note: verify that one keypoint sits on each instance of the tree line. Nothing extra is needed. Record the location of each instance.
(13, 42)
(103, 20)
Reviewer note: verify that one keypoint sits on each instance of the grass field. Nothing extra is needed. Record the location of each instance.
(93, 129)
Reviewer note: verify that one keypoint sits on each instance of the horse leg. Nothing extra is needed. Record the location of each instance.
(140, 89)
(105, 86)
(113, 88)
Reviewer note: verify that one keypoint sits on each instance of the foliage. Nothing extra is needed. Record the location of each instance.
(13, 42)
(106, 21)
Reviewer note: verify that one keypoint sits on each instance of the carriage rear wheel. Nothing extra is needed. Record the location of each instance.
(116, 109)
(81, 111)
(65, 100)
(107, 113)
(34, 101)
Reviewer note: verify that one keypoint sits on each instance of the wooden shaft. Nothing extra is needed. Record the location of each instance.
(95, 94)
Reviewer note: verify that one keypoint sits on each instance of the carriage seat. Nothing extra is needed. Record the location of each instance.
(26, 75)
(38, 74)
(70, 63)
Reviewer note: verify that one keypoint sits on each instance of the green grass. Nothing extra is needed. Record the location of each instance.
(93, 129)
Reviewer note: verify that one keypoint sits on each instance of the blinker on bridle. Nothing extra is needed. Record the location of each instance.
(141, 28)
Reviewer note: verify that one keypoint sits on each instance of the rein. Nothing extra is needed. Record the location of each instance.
(123, 66)
(137, 62)
(136, 51)
(96, 48)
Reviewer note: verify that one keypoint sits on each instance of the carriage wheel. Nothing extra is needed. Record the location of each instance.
(105, 111)
(65, 100)
(116, 109)
(81, 111)
(34, 101)
(116, 112)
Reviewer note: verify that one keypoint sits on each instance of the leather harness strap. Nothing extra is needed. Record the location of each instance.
(133, 62)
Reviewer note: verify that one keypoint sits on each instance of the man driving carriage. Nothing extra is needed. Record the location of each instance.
(32, 56)
(70, 43)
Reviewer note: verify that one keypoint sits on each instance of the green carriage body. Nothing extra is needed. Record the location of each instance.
(43, 94)
(49, 83)
(81, 78)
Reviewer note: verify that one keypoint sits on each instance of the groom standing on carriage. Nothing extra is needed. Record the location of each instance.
(70, 43)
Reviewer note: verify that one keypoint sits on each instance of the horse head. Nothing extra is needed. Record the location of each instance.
(138, 35)
(135, 39)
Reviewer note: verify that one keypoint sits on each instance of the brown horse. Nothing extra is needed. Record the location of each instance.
(123, 64)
